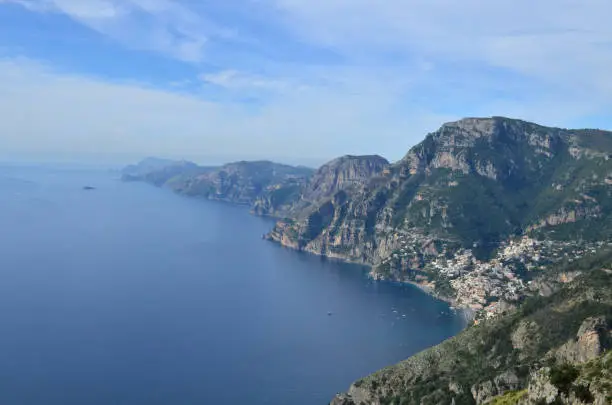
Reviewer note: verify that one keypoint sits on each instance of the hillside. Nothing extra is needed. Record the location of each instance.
(472, 212)
(552, 350)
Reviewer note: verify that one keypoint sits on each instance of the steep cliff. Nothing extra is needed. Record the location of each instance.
(347, 173)
(320, 215)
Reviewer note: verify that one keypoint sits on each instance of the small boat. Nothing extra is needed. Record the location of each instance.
(329, 314)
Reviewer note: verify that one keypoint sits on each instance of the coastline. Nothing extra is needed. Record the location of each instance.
(468, 314)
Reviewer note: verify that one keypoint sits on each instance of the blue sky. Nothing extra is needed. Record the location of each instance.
(292, 80)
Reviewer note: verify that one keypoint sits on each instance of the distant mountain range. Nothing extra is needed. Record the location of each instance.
(484, 212)
(240, 182)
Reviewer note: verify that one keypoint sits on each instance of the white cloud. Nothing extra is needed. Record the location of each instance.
(163, 26)
(241, 81)
(32, 5)
(91, 10)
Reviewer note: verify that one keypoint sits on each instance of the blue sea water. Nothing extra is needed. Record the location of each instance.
(131, 295)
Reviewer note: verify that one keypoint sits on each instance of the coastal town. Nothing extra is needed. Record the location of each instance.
(486, 288)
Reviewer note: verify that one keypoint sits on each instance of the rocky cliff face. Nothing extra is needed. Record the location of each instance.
(571, 384)
(331, 218)
(347, 173)
(592, 339)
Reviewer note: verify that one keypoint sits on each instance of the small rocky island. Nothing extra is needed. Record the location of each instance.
(506, 219)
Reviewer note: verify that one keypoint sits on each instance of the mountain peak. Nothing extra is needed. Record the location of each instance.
(476, 127)
(344, 172)
(376, 159)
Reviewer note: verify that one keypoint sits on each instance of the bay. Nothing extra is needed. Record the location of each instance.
(129, 294)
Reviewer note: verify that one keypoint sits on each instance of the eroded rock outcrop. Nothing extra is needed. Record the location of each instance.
(592, 339)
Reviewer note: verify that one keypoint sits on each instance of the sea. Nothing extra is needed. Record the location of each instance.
(128, 294)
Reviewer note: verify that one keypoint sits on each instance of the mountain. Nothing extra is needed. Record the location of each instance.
(476, 196)
(347, 174)
(242, 182)
(552, 350)
(158, 171)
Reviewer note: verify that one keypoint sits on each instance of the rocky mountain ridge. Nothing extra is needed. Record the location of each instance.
(244, 182)
(271, 189)
(345, 175)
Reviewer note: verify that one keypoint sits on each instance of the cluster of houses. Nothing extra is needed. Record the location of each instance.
(486, 287)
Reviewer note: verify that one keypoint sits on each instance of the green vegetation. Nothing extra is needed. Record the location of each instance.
(318, 221)
(510, 398)
(285, 194)
(563, 376)
(584, 394)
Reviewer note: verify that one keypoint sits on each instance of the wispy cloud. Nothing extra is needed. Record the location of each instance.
(241, 81)
(564, 42)
(163, 26)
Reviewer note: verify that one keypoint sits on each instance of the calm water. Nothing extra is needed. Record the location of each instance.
(131, 295)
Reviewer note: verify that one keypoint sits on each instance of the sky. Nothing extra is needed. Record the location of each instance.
(297, 81)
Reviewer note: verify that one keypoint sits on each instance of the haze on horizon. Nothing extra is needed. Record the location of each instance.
(290, 80)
